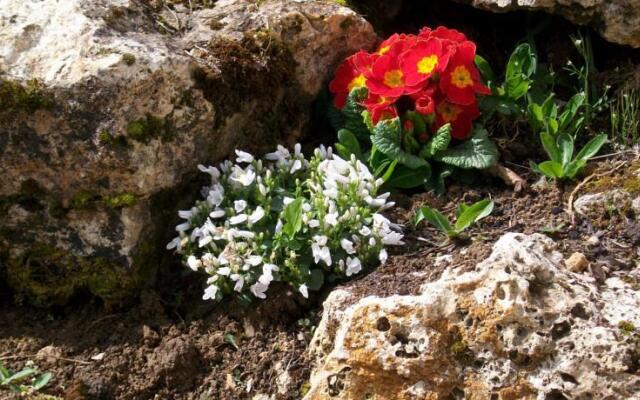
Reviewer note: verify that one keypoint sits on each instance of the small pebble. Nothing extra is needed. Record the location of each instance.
(577, 262)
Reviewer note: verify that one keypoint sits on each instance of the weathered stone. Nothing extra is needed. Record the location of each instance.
(577, 262)
(594, 204)
(108, 106)
(520, 326)
(618, 21)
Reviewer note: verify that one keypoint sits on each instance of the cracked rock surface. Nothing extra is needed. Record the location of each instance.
(520, 326)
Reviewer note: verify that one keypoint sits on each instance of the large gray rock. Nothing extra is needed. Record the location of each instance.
(618, 21)
(520, 326)
(108, 106)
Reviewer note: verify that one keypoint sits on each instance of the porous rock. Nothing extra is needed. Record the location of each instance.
(108, 106)
(618, 21)
(520, 326)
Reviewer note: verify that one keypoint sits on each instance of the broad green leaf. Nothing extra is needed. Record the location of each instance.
(549, 107)
(387, 139)
(592, 147)
(438, 142)
(573, 168)
(570, 110)
(316, 279)
(565, 144)
(550, 146)
(521, 66)
(536, 118)
(42, 381)
(552, 126)
(476, 152)
(18, 376)
(4, 372)
(293, 218)
(404, 177)
(436, 219)
(551, 169)
(231, 339)
(419, 125)
(460, 209)
(348, 140)
(473, 214)
(352, 113)
(484, 68)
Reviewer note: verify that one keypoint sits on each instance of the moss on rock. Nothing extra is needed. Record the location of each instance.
(28, 97)
(145, 129)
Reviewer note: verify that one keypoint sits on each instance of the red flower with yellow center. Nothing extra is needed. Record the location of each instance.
(386, 78)
(423, 60)
(460, 117)
(461, 81)
(405, 41)
(350, 75)
(380, 107)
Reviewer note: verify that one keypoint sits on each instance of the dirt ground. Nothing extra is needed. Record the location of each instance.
(172, 345)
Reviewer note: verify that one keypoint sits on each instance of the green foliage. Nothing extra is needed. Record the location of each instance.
(293, 218)
(14, 381)
(466, 216)
(386, 137)
(625, 117)
(29, 97)
(120, 200)
(477, 152)
(145, 129)
(129, 58)
(562, 163)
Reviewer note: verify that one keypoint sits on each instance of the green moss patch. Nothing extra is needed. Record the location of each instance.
(145, 129)
(29, 97)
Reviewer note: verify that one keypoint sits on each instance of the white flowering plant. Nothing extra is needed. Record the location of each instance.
(286, 219)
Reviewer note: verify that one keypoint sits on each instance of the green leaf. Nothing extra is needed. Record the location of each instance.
(293, 218)
(473, 214)
(419, 125)
(352, 113)
(484, 68)
(18, 376)
(4, 372)
(460, 209)
(349, 143)
(435, 218)
(565, 144)
(231, 339)
(42, 381)
(549, 107)
(550, 146)
(552, 125)
(592, 147)
(570, 110)
(551, 169)
(389, 172)
(536, 118)
(438, 142)
(573, 168)
(404, 177)
(316, 279)
(477, 152)
(520, 68)
(387, 138)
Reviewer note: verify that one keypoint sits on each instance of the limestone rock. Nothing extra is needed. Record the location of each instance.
(618, 21)
(108, 106)
(577, 262)
(599, 203)
(520, 326)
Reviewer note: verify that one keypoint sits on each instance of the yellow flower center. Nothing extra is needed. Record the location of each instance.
(427, 64)
(394, 78)
(357, 82)
(461, 77)
(449, 112)
(384, 50)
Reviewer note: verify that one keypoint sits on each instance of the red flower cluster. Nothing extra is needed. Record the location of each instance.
(434, 69)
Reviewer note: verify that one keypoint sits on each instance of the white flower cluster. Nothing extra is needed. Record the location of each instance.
(285, 219)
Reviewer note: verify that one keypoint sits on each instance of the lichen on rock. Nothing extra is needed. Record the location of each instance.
(520, 326)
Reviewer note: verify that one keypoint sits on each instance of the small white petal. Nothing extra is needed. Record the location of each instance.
(217, 214)
(239, 205)
(353, 266)
(243, 157)
(257, 215)
(238, 219)
(314, 223)
(304, 291)
(194, 263)
(383, 256)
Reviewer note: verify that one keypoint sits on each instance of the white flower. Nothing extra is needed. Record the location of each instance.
(365, 231)
(183, 227)
(253, 260)
(217, 214)
(287, 200)
(239, 205)
(347, 245)
(267, 273)
(205, 241)
(258, 289)
(320, 239)
(377, 202)
(372, 241)
(185, 214)
(239, 280)
(314, 223)
(210, 293)
(224, 271)
(216, 195)
(194, 263)
(278, 226)
(245, 178)
(297, 165)
(306, 207)
(256, 215)
(304, 291)
(320, 250)
(279, 155)
(243, 157)
(263, 189)
(392, 239)
(297, 149)
(331, 219)
(242, 234)
(175, 243)
(353, 266)
(238, 219)
(222, 260)
(213, 171)
(383, 256)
